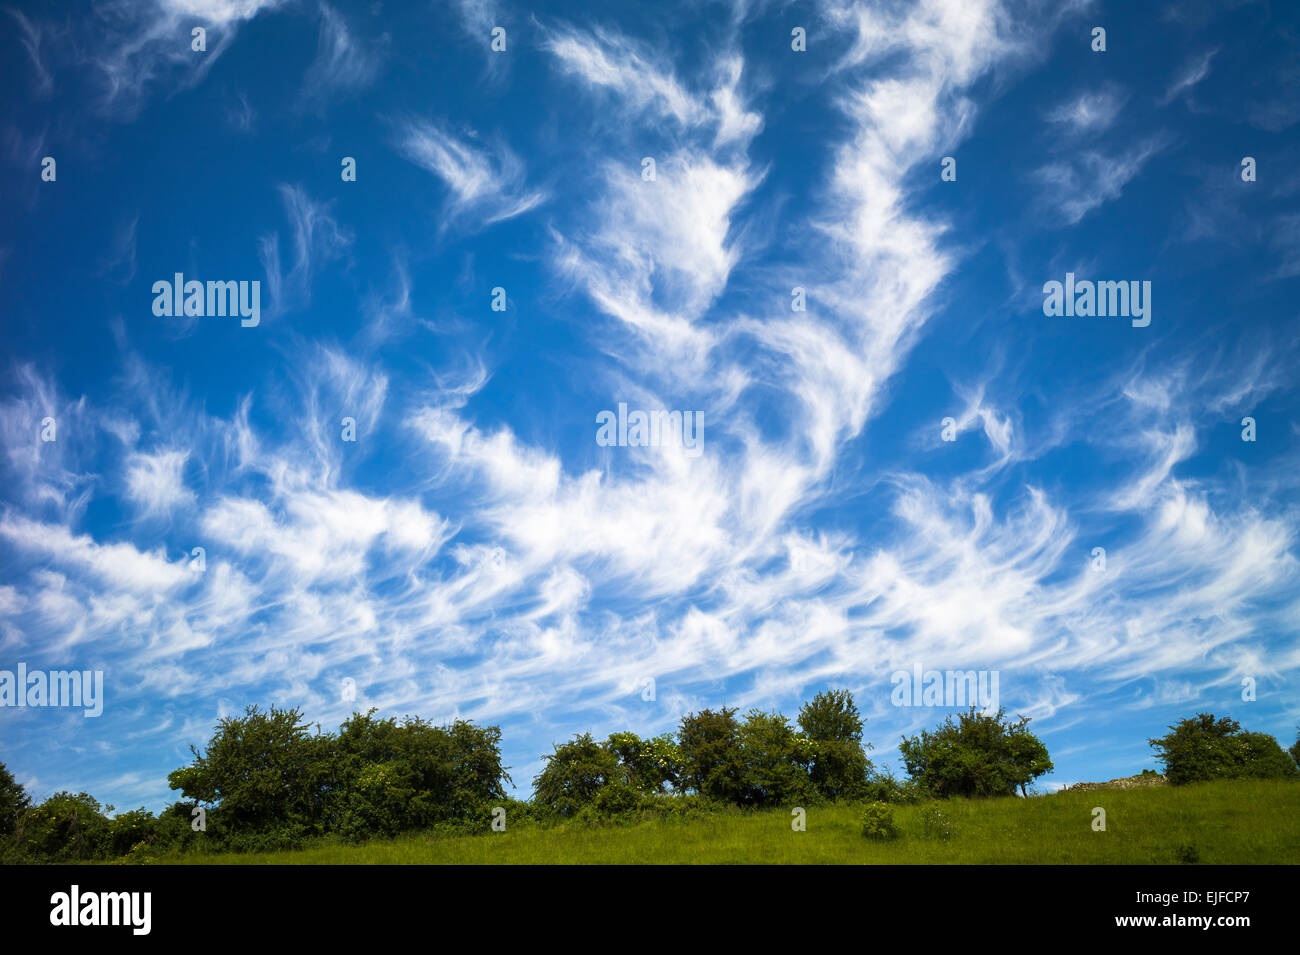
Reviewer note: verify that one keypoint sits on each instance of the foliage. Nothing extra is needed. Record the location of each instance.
(392, 777)
(885, 787)
(14, 801)
(979, 755)
(649, 765)
(1201, 748)
(774, 761)
(878, 822)
(711, 756)
(840, 768)
(65, 827)
(264, 769)
(271, 782)
(574, 774)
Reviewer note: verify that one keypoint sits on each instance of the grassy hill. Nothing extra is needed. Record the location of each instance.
(1222, 822)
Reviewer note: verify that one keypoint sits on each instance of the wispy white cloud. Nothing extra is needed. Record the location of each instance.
(1192, 74)
(141, 48)
(316, 238)
(31, 34)
(1075, 187)
(1088, 113)
(485, 184)
(343, 63)
(156, 482)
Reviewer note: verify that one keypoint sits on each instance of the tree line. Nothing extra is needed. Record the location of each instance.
(266, 780)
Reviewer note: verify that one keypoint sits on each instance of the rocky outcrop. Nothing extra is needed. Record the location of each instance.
(1127, 782)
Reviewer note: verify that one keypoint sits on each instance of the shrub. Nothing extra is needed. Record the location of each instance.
(885, 787)
(840, 768)
(129, 828)
(264, 769)
(711, 756)
(878, 822)
(649, 765)
(63, 828)
(271, 782)
(173, 830)
(774, 761)
(979, 755)
(617, 799)
(1201, 748)
(573, 775)
(14, 801)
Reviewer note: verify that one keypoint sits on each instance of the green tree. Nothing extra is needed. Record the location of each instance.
(774, 760)
(573, 776)
(1202, 747)
(840, 768)
(979, 755)
(1295, 748)
(126, 829)
(264, 770)
(711, 755)
(395, 776)
(648, 765)
(14, 801)
(64, 828)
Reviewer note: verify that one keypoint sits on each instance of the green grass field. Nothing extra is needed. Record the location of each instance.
(1224, 823)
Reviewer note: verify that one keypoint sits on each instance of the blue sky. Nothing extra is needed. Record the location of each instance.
(475, 552)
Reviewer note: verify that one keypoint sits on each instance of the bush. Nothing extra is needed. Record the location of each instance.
(980, 755)
(885, 787)
(14, 801)
(712, 761)
(264, 769)
(64, 828)
(129, 828)
(272, 783)
(840, 768)
(774, 762)
(649, 765)
(1202, 748)
(174, 829)
(574, 774)
(878, 822)
(617, 799)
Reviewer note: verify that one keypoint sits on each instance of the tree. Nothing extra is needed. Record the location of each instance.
(840, 768)
(14, 801)
(573, 776)
(649, 765)
(979, 755)
(64, 828)
(1201, 748)
(710, 745)
(1295, 748)
(774, 761)
(263, 769)
(392, 777)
